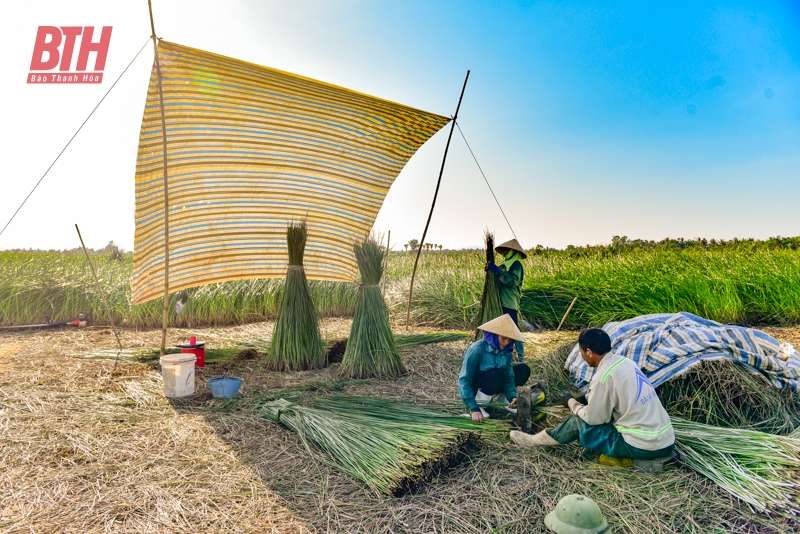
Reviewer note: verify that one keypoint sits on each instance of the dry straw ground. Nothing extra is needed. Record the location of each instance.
(80, 452)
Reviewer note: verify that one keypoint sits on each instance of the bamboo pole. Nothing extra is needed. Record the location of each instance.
(165, 316)
(102, 297)
(433, 204)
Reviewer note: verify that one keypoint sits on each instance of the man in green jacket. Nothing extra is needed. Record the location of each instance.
(488, 368)
(509, 275)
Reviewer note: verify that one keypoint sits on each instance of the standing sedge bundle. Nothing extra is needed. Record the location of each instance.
(371, 350)
(296, 344)
(490, 308)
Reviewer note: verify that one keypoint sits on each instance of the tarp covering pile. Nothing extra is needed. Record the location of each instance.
(667, 345)
(249, 150)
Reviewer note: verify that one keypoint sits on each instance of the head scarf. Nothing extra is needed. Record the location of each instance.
(511, 257)
(494, 341)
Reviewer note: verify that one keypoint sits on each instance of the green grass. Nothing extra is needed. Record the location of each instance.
(744, 282)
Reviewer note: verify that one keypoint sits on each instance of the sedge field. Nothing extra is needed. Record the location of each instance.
(741, 282)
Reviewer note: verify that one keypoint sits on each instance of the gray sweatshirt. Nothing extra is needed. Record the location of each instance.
(620, 393)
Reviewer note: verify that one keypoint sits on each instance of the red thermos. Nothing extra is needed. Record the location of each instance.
(198, 349)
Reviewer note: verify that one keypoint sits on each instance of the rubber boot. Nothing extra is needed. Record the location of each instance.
(502, 398)
(542, 439)
(481, 397)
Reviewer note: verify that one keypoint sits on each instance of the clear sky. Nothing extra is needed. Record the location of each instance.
(590, 119)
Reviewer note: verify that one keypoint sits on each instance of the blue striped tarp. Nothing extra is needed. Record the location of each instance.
(251, 149)
(666, 345)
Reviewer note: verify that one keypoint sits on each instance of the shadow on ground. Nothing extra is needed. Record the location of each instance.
(497, 488)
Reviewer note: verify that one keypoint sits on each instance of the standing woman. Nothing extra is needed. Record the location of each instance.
(509, 276)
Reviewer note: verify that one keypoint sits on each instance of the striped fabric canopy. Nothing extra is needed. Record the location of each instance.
(251, 149)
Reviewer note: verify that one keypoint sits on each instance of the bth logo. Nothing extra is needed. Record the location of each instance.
(49, 54)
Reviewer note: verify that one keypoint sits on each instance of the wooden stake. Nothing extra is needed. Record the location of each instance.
(102, 297)
(386, 262)
(524, 408)
(165, 317)
(433, 204)
(566, 313)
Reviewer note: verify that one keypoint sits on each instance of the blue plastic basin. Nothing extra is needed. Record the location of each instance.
(225, 386)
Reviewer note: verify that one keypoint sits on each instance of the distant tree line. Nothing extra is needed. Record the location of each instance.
(414, 245)
(621, 244)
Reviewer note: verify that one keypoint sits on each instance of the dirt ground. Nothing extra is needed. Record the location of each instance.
(81, 451)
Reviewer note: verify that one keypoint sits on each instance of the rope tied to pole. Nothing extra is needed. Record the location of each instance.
(486, 180)
(73, 136)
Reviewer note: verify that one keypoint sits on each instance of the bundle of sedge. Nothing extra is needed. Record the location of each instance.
(761, 469)
(391, 447)
(296, 344)
(490, 307)
(371, 350)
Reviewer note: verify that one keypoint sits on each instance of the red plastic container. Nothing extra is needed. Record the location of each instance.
(198, 349)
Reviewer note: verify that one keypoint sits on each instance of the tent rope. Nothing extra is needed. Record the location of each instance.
(485, 180)
(73, 137)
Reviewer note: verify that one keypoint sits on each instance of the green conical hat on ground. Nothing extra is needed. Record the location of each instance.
(576, 514)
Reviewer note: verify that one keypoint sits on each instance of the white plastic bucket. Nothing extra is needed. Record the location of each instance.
(177, 370)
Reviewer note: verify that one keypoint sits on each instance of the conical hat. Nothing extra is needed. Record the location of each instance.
(503, 326)
(513, 244)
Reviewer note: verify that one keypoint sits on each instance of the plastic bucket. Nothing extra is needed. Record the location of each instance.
(224, 387)
(177, 370)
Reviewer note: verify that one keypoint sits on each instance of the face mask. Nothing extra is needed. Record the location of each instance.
(511, 257)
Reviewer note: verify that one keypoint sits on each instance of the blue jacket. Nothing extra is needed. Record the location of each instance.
(479, 357)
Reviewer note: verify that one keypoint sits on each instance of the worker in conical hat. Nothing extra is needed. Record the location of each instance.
(488, 368)
(509, 275)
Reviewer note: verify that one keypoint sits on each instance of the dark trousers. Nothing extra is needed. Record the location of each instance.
(514, 314)
(493, 381)
(604, 439)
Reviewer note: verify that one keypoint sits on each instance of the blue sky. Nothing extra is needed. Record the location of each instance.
(590, 119)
